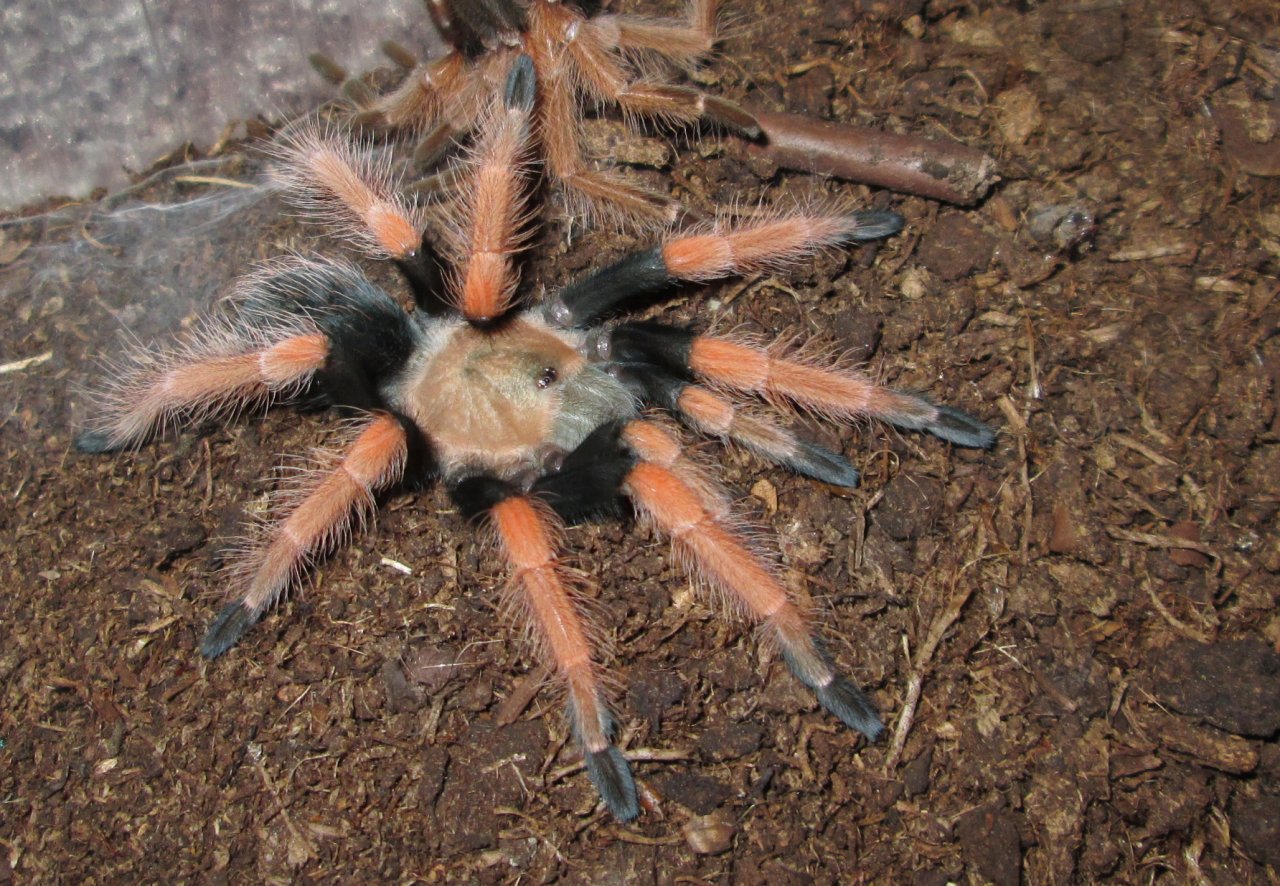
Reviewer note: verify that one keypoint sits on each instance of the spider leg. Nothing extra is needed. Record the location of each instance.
(599, 192)
(685, 44)
(298, 326)
(607, 79)
(222, 369)
(370, 336)
(711, 414)
(326, 178)
(328, 505)
(747, 582)
(831, 391)
(433, 146)
(591, 193)
(427, 93)
(723, 250)
(491, 207)
(838, 393)
(527, 531)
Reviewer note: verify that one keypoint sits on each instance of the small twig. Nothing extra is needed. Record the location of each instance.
(915, 684)
(1146, 253)
(26, 363)
(212, 180)
(625, 836)
(1019, 426)
(1153, 540)
(1143, 450)
(1174, 622)
(302, 839)
(635, 755)
(402, 568)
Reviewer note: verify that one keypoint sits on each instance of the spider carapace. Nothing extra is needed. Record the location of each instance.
(529, 414)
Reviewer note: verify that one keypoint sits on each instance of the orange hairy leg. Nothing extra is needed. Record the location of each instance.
(492, 204)
(724, 560)
(684, 44)
(327, 506)
(607, 79)
(829, 391)
(326, 179)
(526, 532)
(219, 371)
(770, 243)
(602, 193)
(709, 413)
(711, 251)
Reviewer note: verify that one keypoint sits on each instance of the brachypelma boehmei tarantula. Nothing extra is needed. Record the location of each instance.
(530, 415)
(580, 61)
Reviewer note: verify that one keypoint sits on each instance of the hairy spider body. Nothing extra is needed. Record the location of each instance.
(530, 415)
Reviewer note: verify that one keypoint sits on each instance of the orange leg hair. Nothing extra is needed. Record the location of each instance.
(599, 192)
(607, 79)
(835, 393)
(427, 94)
(327, 506)
(768, 244)
(527, 533)
(492, 207)
(716, 416)
(654, 444)
(684, 44)
(330, 181)
(724, 560)
(221, 370)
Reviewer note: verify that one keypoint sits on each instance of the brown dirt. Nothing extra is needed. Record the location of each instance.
(1088, 611)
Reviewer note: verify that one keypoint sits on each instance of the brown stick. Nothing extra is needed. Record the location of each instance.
(943, 170)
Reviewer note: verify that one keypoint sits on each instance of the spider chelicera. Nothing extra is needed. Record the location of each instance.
(529, 414)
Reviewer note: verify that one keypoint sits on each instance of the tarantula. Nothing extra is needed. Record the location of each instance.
(529, 414)
(607, 59)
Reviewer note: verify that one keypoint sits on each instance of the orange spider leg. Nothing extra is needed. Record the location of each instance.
(327, 178)
(427, 93)
(685, 43)
(222, 369)
(492, 207)
(527, 534)
(726, 562)
(834, 392)
(328, 504)
(654, 444)
(719, 249)
(843, 394)
(598, 191)
(716, 416)
(769, 244)
(608, 80)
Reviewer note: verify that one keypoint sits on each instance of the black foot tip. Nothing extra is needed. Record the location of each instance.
(854, 709)
(227, 629)
(94, 442)
(609, 772)
(521, 85)
(876, 223)
(821, 463)
(961, 428)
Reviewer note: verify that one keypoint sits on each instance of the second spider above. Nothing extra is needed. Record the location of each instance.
(530, 414)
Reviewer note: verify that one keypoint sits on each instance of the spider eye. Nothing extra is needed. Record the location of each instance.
(547, 377)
